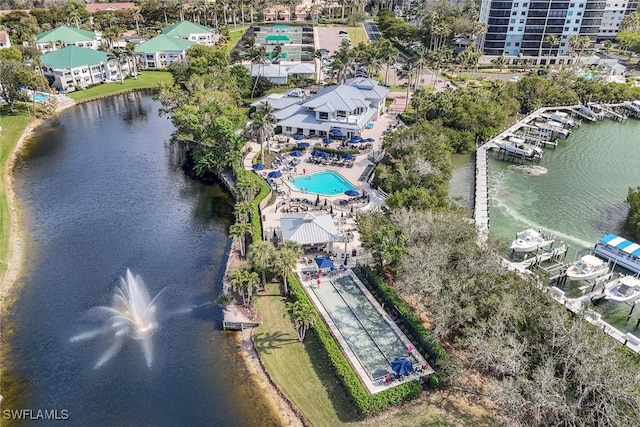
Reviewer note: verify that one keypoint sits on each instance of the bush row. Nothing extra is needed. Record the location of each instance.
(319, 147)
(367, 404)
(254, 214)
(412, 325)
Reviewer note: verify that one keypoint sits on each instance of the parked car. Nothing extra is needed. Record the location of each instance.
(342, 32)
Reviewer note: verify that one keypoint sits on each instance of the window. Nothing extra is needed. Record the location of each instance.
(522, 21)
(510, 28)
(519, 28)
(513, 21)
(514, 13)
(568, 21)
(577, 21)
(572, 5)
(570, 13)
(341, 113)
(516, 4)
(323, 116)
(523, 13)
(579, 13)
(517, 43)
(575, 28)
(508, 43)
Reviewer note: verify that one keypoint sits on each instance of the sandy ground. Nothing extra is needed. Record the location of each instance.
(14, 255)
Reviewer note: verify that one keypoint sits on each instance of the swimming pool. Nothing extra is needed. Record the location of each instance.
(326, 183)
(40, 97)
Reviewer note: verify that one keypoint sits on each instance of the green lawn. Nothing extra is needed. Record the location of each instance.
(234, 38)
(357, 34)
(148, 79)
(12, 127)
(296, 368)
(307, 379)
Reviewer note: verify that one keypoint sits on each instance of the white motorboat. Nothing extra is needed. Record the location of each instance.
(518, 147)
(623, 289)
(530, 240)
(587, 267)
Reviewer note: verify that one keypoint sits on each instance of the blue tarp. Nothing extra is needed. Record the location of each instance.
(352, 193)
(401, 366)
(259, 166)
(275, 174)
(296, 153)
(324, 262)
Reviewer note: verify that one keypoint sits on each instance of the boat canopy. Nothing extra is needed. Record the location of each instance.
(592, 260)
(622, 244)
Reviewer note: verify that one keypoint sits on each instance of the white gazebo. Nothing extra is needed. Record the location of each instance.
(309, 229)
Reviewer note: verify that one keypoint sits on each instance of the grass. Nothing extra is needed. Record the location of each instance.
(305, 378)
(308, 380)
(357, 34)
(146, 80)
(234, 38)
(12, 127)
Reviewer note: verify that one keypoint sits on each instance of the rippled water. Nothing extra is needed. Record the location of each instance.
(576, 192)
(101, 191)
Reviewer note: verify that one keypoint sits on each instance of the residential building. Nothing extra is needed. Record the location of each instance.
(109, 7)
(62, 36)
(348, 108)
(193, 32)
(74, 66)
(614, 12)
(520, 29)
(275, 73)
(4, 40)
(162, 50)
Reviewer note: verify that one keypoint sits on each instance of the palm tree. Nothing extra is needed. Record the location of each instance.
(257, 55)
(244, 282)
(239, 231)
(241, 210)
(317, 57)
(261, 255)
(552, 40)
(133, 55)
(303, 316)
(137, 18)
(118, 54)
(578, 44)
(262, 125)
(285, 260)
(407, 72)
(500, 61)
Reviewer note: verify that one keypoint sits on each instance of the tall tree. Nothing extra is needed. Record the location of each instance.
(239, 231)
(260, 257)
(285, 260)
(303, 316)
(262, 126)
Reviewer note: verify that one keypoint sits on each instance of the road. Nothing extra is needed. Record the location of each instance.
(372, 30)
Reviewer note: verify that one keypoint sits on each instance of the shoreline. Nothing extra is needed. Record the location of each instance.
(15, 257)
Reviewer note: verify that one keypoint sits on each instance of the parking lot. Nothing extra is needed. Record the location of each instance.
(329, 38)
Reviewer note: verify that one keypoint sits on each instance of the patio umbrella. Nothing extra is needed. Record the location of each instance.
(296, 153)
(324, 262)
(259, 166)
(347, 156)
(401, 366)
(298, 137)
(355, 142)
(326, 140)
(369, 140)
(352, 193)
(336, 132)
(303, 144)
(275, 174)
(355, 138)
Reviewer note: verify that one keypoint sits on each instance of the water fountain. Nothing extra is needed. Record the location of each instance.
(132, 315)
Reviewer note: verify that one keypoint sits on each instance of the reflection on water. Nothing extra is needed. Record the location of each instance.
(100, 192)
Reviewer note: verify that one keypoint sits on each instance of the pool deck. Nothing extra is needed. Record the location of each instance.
(344, 216)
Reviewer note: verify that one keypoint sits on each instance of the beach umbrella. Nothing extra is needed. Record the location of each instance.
(298, 137)
(336, 132)
(296, 153)
(324, 262)
(369, 140)
(355, 138)
(347, 156)
(303, 144)
(323, 154)
(352, 193)
(355, 142)
(275, 174)
(326, 140)
(401, 366)
(259, 166)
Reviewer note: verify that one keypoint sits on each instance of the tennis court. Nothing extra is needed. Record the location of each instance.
(362, 326)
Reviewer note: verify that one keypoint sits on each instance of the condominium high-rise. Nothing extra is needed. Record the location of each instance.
(522, 28)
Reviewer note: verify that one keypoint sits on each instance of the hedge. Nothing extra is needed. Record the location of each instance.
(254, 213)
(367, 404)
(421, 336)
(318, 147)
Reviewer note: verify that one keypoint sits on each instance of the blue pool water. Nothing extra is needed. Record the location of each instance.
(324, 183)
(40, 97)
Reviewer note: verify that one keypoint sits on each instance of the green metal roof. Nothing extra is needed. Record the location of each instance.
(278, 38)
(184, 29)
(163, 43)
(73, 57)
(65, 34)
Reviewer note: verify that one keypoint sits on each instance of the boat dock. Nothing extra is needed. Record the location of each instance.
(481, 193)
